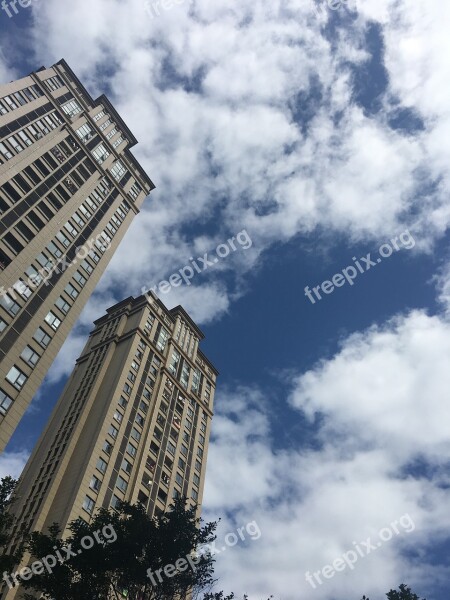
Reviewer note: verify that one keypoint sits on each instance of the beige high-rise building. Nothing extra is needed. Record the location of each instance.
(69, 189)
(132, 423)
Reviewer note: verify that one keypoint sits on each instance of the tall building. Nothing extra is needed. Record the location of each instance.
(132, 423)
(69, 189)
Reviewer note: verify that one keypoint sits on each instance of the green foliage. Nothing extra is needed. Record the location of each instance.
(7, 561)
(403, 593)
(122, 565)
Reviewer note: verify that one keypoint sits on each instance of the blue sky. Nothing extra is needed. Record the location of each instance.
(323, 136)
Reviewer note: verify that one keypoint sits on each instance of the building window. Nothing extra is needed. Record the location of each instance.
(162, 495)
(134, 191)
(184, 379)
(30, 356)
(84, 132)
(99, 115)
(127, 389)
(196, 479)
(101, 465)
(132, 451)
(95, 257)
(63, 306)
(53, 320)
(174, 362)
(100, 153)
(183, 450)
(179, 479)
(162, 339)
(196, 378)
(140, 420)
(70, 229)
(61, 237)
(23, 289)
(122, 484)
(146, 480)
(149, 322)
(110, 134)
(198, 466)
(118, 170)
(106, 124)
(181, 464)
(71, 291)
(143, 499)
(171, 448)
(87, 266)
(199, 452)
(71, 108)
(113, 431)
(5, 402)
(88, 504)
(150, 465)
(9, 305)
(194, 495)
(123, 402)
(201, 439)
(94, 485)
(127, 466)
(3, 325)
(42, 338)
(115, 502)
(118, 416)
(154, 448)
(33, 276)
(5, 152)
(107, 447)
(53, 83)
(53, 249)
(135, 434)
(16, 378)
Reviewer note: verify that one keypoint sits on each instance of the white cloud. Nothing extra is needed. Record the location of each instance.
(229, 149)
(383, 405)
(12, 463)
(212, 91)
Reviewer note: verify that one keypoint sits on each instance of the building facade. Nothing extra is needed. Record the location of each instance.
(132, 423)
(69, 189)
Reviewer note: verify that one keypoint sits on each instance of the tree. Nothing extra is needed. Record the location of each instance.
(144, 558)
(7, 561)
(404, 593)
